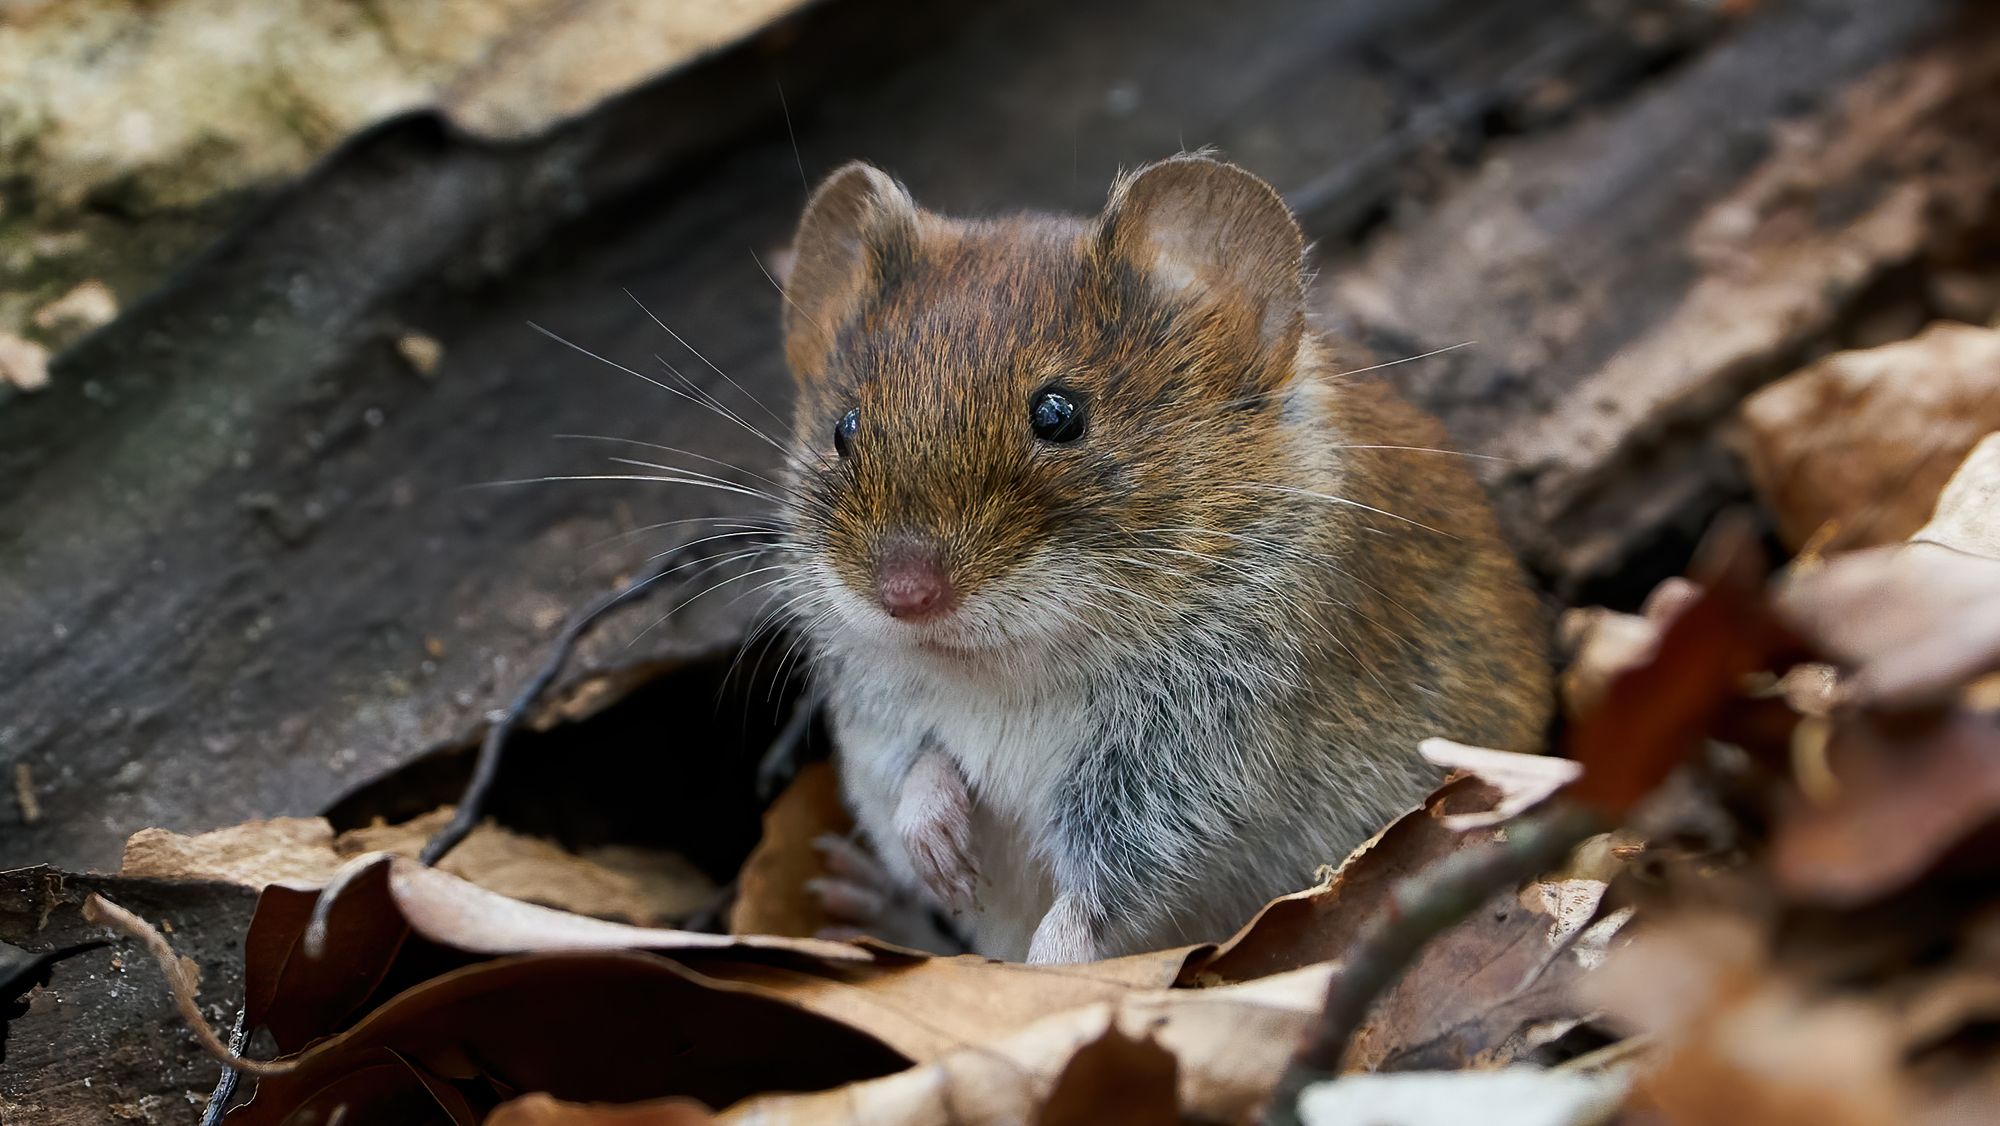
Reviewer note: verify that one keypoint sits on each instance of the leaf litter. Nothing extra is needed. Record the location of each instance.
(1756, 885)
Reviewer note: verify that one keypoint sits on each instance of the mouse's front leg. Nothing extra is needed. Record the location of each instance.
(934, 823)
(1127, 829)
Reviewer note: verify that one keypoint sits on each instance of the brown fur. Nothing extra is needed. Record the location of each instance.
(1224, 447)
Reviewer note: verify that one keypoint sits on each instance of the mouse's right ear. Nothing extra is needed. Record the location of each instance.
(858, 223)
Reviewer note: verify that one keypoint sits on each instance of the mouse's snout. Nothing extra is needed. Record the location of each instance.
(913, 583)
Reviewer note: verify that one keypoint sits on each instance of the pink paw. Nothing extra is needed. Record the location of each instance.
(860, 900)
(934, 820)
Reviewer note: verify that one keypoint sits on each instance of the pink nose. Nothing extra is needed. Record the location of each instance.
(911, 584)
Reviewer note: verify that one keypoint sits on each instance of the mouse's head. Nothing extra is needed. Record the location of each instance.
(1031, 429)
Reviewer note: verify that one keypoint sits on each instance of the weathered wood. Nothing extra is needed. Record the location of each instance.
(1629, 279)
(102, 1042)
(238, 525)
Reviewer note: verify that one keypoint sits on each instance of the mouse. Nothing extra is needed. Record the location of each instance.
(1128, 595)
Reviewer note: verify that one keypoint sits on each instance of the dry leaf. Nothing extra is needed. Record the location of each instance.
(253, 854)
(1909, 625)
(1653, 714)
(1738, 1043)
(1483, 993)
(929, 1008)
(1909, 793)
(1967, 517)
(641, 886)
(542, 1110)
(1866, 439)
(594, 1025)
(1514, 1096)
(1115, 1078)
(1523, 781)
(1317, 925)
(771, 896)
(1222, 1039)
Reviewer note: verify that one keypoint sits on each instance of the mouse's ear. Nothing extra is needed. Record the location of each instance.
(858, 222)
(1199, 229)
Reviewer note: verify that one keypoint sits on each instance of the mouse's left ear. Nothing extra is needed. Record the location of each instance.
(857, 224)
(1214, 234)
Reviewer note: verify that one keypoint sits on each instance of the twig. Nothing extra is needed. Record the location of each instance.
(180, 984)
(781, 758)
(225, 1084)
(1421, 907)
(472, 803)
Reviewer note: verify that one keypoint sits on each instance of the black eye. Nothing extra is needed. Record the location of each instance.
(843, 431)
(1056, 417)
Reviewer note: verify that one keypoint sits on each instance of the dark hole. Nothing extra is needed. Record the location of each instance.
(672, 765)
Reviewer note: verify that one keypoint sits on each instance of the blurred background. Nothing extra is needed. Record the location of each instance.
(269, 271)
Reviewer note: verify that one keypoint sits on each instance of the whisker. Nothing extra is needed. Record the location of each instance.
(669, 388)
(1407, 359)
(678, 339)
(1429, 450)
(672, 450)
(1332, 499)
(726, 488)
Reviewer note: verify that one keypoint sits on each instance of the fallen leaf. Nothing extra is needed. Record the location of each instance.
(1739, 1043)
(1221, 1038)
(1523, 781)
(1653, 714)
(1514, 1096)
(588, 1025)
(1318, 924)
(1866, 439)
(1115, 1078)
(1909, 792)
(1910, 626)
(771, 895)
(1967, 517)
(640, 886)
(542, 1110)
(929, 1008)
(1480, 993)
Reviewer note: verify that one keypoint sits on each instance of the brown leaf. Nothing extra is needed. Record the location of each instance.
(1317, 925)
(1911, 625)
(1492, 989)
(1866, 439)
(637, 885)
(253, 854)
(1523, 781)
(1967, 517)
(394, 923)
(771, 896)
(542, 1110)
(1654, 713)
(1115, 1078)
(1223, 1040)
(930, 1008)
(1741, 1044)
(596, 1025)
(1909, 791)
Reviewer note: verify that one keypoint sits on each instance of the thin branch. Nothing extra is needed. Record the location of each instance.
(486, 770)
(1419, 909)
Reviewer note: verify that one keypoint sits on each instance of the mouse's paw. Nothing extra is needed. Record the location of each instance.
(934, 821)
(1065, 936)
(860, 898)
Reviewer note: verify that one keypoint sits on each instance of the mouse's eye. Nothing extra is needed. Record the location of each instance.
(1056, 416)
(843, 431)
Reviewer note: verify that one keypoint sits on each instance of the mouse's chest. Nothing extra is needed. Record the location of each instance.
(1013, 748)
